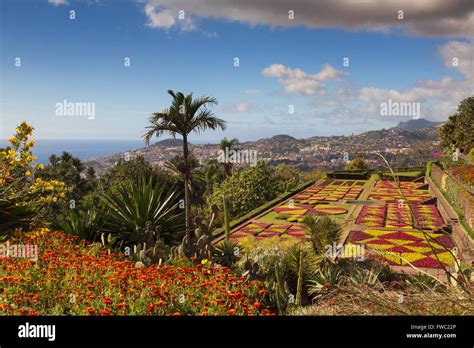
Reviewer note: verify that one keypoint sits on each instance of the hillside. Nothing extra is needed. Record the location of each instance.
(411, 125)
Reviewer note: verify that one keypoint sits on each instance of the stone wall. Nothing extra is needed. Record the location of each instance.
(458, 193)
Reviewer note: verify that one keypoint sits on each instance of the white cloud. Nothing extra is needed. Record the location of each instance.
(58, 2)
(159, 18)
(440, 18)
(299, 82)
(440, 97)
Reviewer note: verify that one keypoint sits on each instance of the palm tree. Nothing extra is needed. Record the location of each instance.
(196, 183)
(185, 115)
(227, 145)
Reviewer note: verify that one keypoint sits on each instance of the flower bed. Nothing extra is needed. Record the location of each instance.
(394, 215)
(331, 191)
(266, 230)
(401, 247)
(385, 190)
(69, 278)
(464, 172)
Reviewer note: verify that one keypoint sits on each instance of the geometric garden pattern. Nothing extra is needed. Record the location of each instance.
(401, 248)
(397, 228)
(403, 228)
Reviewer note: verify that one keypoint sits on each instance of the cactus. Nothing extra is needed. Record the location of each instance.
(150, 248)
(109, 244)
(281, 289)
(226, 220)
(299, 286)
(201, 247)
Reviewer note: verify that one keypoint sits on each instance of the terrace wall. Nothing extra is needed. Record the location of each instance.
(458, 193)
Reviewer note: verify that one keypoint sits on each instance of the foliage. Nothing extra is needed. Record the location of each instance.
(357, 163)
(227, 253)
(70, 170)
(75, 278)
(185, 115)
(200, 247)
(86, 224)
(13, 214)
(196, 181)
(132, 169)
(324, 231)
(464, 172)
(212, 174)
(458, 131)
(22, 190)
(135, 202)
(227, 145)
(391, 298)
(245, 190)
(288, 178)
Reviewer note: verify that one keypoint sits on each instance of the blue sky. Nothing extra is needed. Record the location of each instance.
(300, 64)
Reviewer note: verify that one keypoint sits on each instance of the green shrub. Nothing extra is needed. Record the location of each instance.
(135, 202)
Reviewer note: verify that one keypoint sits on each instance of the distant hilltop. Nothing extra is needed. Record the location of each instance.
(170, 142)
(416, 124)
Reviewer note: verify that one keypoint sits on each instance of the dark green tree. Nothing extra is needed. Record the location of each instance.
(357, 163)
(458, 131)
(72, 171)
(228, 145)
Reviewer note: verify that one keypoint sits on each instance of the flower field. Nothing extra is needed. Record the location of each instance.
(261, 230)
(400, 232)
(331, 190)
(386, 190)
(284, 221)
(75, 278)
(393, 215)
(391, 230)
(400, 247)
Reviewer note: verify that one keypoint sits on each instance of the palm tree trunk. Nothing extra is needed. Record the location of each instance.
(186, 192)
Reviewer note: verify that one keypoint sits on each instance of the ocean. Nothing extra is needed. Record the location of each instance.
(83, 149)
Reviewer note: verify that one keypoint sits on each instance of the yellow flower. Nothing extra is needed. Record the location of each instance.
(41, 166)
(204, 261)
(28, 173)
(55, 199)
(61, 195)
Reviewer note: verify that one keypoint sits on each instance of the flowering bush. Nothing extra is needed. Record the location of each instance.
(463, 171)
(17, 181)
(76, 278)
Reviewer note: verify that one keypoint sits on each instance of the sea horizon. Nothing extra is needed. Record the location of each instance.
(85, 149)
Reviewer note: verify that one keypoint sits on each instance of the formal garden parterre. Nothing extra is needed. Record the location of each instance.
(401, 226)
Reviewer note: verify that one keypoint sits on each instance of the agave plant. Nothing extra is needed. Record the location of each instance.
(324, 232)
(86, 224)
(133, 203)
(227, 253)
(13, 214)
(325, 280)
